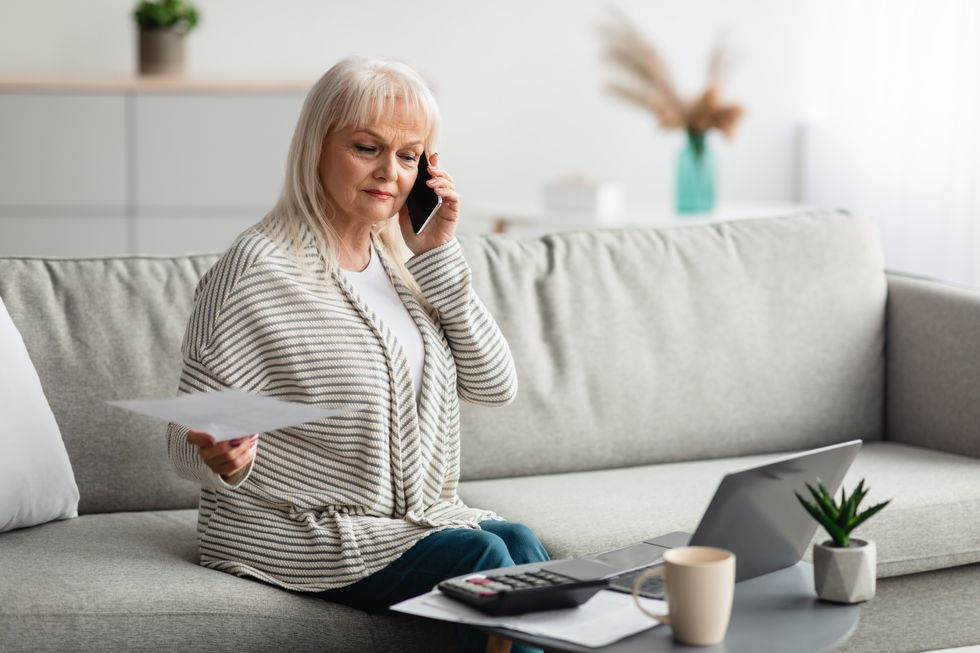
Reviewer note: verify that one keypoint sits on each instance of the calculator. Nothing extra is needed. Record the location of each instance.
(498, 593)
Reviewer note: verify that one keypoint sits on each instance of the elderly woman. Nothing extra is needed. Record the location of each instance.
(316, 304)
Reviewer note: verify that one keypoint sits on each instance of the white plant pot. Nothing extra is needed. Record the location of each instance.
(845, 575)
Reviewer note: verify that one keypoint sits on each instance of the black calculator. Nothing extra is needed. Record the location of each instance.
(497, 593)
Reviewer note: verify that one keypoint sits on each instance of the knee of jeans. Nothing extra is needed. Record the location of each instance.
(491, 551)
(524, 545)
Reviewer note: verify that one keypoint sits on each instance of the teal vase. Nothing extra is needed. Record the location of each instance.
(695, 176)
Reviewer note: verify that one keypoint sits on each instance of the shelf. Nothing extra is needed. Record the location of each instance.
(151, 84)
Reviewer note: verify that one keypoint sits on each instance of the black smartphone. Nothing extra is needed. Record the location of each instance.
(422, 201)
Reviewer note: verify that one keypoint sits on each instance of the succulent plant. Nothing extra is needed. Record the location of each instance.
(839, 519)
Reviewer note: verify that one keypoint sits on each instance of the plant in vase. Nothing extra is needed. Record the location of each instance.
(162, 26)
(650, 87)
(844, 566)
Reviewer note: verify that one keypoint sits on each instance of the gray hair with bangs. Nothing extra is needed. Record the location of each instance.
(355, 92)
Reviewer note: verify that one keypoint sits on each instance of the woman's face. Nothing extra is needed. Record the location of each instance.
(368, 171)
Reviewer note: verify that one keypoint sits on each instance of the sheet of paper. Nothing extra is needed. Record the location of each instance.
(232, 413)
(605, 618)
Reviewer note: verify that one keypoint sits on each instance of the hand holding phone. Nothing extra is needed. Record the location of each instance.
(430, 213)
(422, 201)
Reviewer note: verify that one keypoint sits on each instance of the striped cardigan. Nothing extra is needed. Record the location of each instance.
(325, 504)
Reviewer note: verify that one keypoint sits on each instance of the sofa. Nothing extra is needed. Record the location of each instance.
(651, 361)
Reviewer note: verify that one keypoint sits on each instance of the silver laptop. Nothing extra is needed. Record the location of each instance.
(753, 513)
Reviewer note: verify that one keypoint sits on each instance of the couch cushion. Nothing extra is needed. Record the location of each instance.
(130, 581)
(641, 346)
(575, 513)
(100, 329)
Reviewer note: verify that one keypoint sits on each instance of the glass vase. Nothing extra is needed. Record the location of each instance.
(695, 176)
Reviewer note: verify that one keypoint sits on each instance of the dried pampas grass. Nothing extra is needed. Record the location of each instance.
(651, 88)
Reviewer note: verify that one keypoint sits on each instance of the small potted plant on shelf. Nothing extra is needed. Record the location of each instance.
(844, 566)
(162, 26)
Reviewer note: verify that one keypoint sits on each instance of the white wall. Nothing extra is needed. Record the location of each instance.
(897, 128)
(519, 83)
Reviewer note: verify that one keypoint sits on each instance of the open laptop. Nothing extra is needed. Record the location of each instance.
(753, 513)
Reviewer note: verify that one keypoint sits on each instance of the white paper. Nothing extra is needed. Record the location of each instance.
(605, 618)
(231, 413)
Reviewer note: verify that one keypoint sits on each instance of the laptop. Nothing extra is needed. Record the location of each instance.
(753, 513)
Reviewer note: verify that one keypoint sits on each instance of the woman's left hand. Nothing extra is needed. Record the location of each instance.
(442, 226)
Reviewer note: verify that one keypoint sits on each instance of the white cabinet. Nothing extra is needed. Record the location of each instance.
(62, 236)
(139, 167)
(213, 150)
(168, 235)
(61, 149)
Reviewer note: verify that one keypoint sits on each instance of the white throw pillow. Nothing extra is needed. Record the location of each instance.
(37, 483)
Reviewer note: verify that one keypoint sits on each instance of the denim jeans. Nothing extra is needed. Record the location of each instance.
(439, 556)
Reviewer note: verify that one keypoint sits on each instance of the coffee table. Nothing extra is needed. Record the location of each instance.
(774, 613)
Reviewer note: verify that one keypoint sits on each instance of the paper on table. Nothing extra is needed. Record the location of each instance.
(605, 618)
(231, 413)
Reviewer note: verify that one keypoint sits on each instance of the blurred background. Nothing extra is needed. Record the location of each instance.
(871, 106)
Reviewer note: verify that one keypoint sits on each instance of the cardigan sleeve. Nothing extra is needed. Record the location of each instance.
(185, 457)
(485, 371)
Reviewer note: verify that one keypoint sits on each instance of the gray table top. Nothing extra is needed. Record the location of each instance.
(773, 613)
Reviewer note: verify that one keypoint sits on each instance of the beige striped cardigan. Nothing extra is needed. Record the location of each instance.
(325, 504)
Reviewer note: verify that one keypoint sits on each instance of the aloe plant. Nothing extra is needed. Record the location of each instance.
(839, 519)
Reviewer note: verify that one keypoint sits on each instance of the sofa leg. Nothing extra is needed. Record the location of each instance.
(498, 644)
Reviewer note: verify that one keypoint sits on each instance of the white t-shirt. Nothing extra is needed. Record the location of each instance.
(377, 291)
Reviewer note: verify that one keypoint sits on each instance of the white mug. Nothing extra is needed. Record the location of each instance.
(700, 584)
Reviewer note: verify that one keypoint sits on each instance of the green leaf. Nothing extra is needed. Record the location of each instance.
(848, 509)
(166, 14)
(859, 493)
(824, 501)
(851, 523)
(815, 512)
(869, 513)
(836, 533)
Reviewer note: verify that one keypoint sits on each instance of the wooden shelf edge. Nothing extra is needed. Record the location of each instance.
(129, 83)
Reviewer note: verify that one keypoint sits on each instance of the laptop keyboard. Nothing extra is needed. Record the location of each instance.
(652, 588)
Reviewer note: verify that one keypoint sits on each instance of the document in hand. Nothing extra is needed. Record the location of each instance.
(231, 413)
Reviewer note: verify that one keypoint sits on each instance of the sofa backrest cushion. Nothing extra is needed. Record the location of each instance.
(639, 346)
(100, 329)
(632, 347)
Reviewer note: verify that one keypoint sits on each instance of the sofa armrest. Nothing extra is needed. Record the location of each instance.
(932, 377)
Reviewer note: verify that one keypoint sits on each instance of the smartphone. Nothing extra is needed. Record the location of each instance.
(422, 201)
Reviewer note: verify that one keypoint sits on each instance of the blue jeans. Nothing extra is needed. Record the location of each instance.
(439, 556)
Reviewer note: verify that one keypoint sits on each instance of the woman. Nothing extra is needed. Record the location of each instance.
(315, 304)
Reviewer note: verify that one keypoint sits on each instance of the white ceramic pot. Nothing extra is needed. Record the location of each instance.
(845, 575)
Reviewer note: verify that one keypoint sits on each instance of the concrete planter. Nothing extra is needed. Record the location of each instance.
(845, 575)
(161, 52)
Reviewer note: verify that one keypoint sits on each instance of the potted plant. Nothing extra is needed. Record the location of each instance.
(162, 26)
(646, 83)
(844, 566)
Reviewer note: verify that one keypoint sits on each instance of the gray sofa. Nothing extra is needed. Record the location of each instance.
(650, 362)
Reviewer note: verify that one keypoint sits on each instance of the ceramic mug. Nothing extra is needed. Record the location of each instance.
(700, 583)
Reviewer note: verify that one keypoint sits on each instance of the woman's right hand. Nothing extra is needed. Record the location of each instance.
(227, 457)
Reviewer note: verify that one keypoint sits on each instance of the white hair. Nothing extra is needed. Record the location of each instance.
(355, 92)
